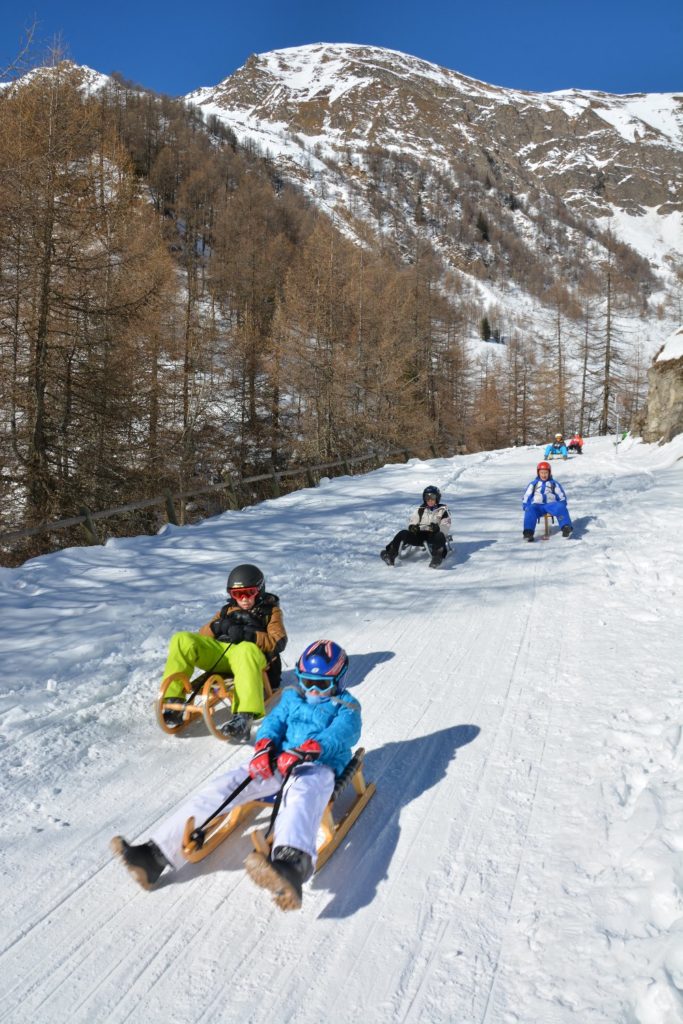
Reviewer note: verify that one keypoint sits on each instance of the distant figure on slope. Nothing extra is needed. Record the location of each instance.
(576, 444)
(242, 639)
(556, 448)
(545, 495)
(429, 524)
(302, 746)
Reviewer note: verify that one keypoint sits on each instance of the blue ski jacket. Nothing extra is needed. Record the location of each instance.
(334, 723)
(540, 492)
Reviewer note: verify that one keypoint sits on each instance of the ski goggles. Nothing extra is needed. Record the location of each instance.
(323, 684)
(239, 592)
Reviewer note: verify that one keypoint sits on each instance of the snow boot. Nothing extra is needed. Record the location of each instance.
(387, 557)
(173, 715)
(528, 535)
(283, 873)
(145, 861)
(238, 728)
(437, 559)
(567, 531)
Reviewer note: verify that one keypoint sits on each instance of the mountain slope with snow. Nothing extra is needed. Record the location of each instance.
(520, 859)
(601, 154)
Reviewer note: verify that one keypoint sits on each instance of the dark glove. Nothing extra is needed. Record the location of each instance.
(249, 634)
(413, 528)
(263, 761)
(234, 633)
(433, 528)
(288, 759)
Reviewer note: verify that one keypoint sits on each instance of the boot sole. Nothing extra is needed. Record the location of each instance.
(138, 873)
(262, 872)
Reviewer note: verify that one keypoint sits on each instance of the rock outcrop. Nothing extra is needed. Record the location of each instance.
(663, 418)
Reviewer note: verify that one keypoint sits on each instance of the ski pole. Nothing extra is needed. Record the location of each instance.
(198, 834)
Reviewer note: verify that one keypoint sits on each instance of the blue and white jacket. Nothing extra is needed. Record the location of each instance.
(539, 492)
(334, 723)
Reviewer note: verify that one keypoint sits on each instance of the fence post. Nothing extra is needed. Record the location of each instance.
(231, 493)
(276, 484)
(170, 508)
(310, 479)
(89, 526)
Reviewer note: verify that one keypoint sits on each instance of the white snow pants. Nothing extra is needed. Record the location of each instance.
(305, 797)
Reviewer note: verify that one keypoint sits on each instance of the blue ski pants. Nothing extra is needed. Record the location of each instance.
(535, 511)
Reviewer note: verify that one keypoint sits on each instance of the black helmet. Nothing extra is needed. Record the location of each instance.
(246, 576)
(431, 492)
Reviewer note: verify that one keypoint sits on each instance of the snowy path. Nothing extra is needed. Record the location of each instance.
(520, 861)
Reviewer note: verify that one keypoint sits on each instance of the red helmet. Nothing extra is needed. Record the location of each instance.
(544, 465)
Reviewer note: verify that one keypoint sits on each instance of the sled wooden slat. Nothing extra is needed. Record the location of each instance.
(207, 694)
(188, 707)
(333, 832)
(219, 829)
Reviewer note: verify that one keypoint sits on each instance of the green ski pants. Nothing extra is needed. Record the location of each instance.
(244, 661)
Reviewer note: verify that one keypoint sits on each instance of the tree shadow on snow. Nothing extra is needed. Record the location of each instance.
(402, 772)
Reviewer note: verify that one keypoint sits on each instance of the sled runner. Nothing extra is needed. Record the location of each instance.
(195, 848)
(548, 520)
(209, 697)
(406, 550)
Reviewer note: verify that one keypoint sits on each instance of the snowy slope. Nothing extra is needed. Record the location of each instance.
(520, 861)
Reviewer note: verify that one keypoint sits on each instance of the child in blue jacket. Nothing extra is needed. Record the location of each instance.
(545, 495)
(303, 744)
(556, 449)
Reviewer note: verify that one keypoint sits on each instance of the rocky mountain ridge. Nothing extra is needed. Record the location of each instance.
(597, 153)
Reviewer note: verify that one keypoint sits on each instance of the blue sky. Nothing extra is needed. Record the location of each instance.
(172, 47)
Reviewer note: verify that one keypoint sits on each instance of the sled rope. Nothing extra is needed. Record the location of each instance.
(198, 834)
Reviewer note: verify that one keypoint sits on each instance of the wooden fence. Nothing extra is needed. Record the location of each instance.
(229, 487)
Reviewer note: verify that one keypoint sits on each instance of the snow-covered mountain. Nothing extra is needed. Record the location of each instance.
(520, 861)
(602, 156)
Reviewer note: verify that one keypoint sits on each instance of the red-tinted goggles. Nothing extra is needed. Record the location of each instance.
(238, 592)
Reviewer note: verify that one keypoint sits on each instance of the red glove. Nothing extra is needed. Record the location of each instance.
(308, 751)
(263, 761)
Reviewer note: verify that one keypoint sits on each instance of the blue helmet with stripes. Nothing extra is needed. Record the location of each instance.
(322, 667)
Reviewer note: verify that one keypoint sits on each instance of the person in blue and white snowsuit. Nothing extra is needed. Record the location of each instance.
(303, 744)
(545, 495)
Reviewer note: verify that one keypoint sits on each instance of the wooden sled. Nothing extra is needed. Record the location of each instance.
(209, 696)
(333, 831)
(548, 520)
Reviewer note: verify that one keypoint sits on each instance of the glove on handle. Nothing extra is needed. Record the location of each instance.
(308, 751)
(263, 761)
